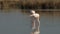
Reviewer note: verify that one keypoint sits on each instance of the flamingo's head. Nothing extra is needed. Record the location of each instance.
(32, 11)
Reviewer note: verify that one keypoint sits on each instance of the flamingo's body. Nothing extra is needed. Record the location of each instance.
(35, 22)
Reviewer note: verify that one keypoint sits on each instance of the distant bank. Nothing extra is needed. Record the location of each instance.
(30, 4)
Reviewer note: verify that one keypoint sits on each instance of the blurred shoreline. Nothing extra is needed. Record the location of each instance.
(29, 4)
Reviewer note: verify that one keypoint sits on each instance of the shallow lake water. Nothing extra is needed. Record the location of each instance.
(19, 23)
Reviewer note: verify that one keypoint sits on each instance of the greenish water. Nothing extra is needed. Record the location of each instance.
(19, 23)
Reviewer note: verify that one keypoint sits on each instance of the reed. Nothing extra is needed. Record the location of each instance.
(29, 4)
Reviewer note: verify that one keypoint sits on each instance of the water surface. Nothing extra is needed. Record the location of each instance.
(19, 23)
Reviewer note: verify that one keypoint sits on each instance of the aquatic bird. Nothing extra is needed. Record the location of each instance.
(35, 22)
